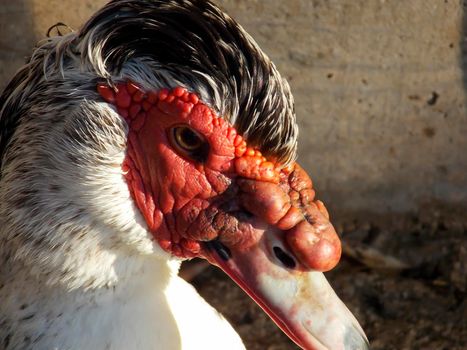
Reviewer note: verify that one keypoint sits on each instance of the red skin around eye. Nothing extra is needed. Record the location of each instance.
(177, 196)
(155, 173)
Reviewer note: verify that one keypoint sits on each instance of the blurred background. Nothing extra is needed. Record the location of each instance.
(380, 91)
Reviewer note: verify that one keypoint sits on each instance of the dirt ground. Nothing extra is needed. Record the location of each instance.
(405, 279)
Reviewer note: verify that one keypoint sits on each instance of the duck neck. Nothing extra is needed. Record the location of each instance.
(35, 313)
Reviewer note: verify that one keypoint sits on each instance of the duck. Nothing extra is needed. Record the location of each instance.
(158, 132)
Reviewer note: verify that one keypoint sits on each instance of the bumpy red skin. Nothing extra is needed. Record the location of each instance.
(185, 202)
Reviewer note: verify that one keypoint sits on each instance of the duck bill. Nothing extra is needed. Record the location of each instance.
(301, 303)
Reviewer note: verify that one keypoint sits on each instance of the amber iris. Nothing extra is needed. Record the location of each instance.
(186, 141)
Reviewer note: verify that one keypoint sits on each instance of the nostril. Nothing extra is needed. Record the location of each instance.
(284, 258)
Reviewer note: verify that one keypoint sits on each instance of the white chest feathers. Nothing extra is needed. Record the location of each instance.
(147, 311)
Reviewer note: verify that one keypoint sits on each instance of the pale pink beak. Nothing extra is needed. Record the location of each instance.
(301, 303)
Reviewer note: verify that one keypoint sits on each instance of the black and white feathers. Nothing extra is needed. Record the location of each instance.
(165, 43)
(69, 232)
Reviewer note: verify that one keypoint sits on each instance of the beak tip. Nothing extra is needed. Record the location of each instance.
(355, 339)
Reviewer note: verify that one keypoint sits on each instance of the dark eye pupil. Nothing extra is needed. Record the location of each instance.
(189, 143)
(189, 138)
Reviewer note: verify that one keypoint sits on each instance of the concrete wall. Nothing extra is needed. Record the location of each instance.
(380, 89)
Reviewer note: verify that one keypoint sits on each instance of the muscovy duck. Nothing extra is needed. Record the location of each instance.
(156, 133)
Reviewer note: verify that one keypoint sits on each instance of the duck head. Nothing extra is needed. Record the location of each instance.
(168, 120)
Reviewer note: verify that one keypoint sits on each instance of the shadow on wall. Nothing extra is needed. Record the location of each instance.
(463, 46)
(17, 37)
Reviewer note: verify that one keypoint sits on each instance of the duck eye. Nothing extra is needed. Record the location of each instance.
(186, 138)
(189, 143)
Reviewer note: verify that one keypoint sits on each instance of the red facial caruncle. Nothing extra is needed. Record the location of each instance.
(177, 192)
(204, 192)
